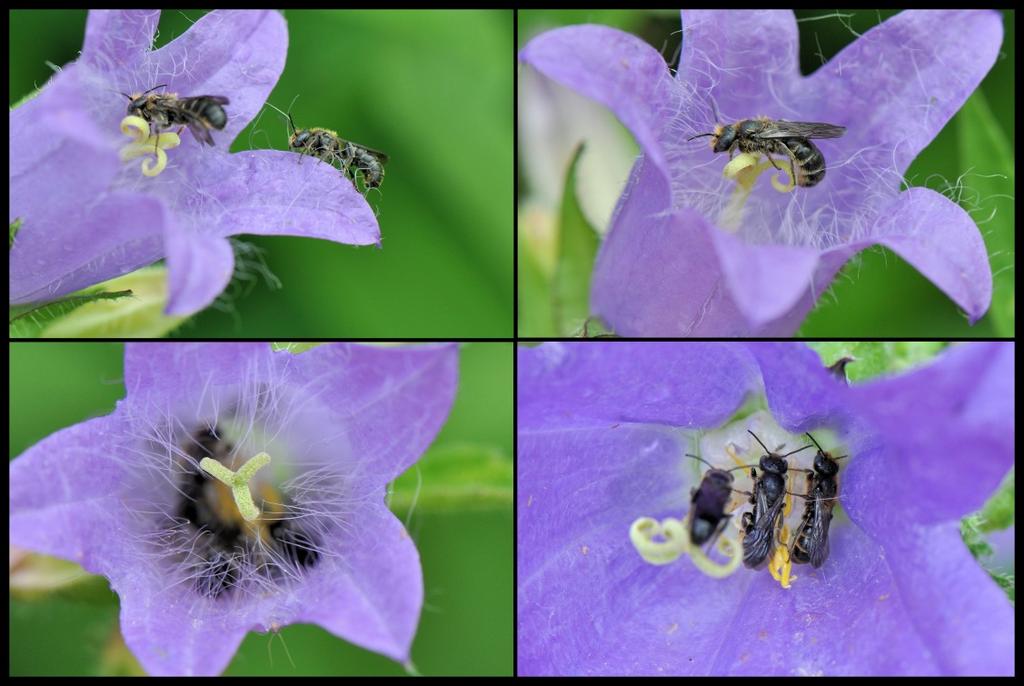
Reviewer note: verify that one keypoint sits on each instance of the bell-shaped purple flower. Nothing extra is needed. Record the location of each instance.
(688, 253)
(236, 489)
(603, 432)
(87, 216)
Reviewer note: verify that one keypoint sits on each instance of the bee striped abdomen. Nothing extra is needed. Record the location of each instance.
(810, 161)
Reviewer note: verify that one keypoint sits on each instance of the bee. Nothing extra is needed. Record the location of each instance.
(355, 160)
(811, 541)
(199, 113)
(791, 139)
(761, 526)
(707, 504)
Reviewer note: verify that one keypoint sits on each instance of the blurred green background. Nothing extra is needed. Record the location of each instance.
(877, 294)
(434, 90)
(465, 543)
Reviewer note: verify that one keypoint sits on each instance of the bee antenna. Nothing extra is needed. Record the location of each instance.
(700, 135)
(792, 452)
(702, 460)
(287, 114)
(759, 441)
(808, 433)
(162, 85)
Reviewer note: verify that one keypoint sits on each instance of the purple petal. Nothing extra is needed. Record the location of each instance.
(948, 433)
(614, 68)
(199, 267)
(238, 53)
(658, 274)
(126, 234)
(171, 634)
(719, 48)
(577, 492)
(312, 199)
(580, 384)
(154, 372)
(939, 239)
(970, 633)
(391, 401)
(765, 281)
(371, 593)
(904, 79)
(64, 493)
(118, 39)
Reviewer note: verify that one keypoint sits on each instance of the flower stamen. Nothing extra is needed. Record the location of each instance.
(744, 169)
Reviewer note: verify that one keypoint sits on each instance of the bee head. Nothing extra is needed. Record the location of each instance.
(724, 138)
(773, 464)
(138, 101)
(300, 138)
(721, 138)
(825, 465)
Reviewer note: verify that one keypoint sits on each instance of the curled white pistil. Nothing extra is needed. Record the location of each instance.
(675, 541)
(144, 145)
(238, 481)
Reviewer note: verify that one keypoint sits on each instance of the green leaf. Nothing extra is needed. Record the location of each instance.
(871, 359)
(106, 311)
(577, 249)
(294, 348)
(455, 476)
(987, 156)
(29, 321)
(998, 512)
(15, 227)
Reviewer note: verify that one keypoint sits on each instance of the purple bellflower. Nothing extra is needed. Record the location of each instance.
(603, 429)
(88, 216)
(236, 489)
(690, 253)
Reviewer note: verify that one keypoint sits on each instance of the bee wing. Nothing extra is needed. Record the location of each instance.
(817, 538)
(199, 130)
(382, 157)
(219, 99)
(779, 128)
(758, 540)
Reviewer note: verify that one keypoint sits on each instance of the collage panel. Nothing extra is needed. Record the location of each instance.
(766, 174)
(765, 508)
(262, 174)
(243, 508)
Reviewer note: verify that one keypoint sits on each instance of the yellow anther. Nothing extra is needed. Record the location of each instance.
(744, 169)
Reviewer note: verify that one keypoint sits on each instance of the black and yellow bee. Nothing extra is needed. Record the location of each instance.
(355, 160)
(162, 111)
(791, 139)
